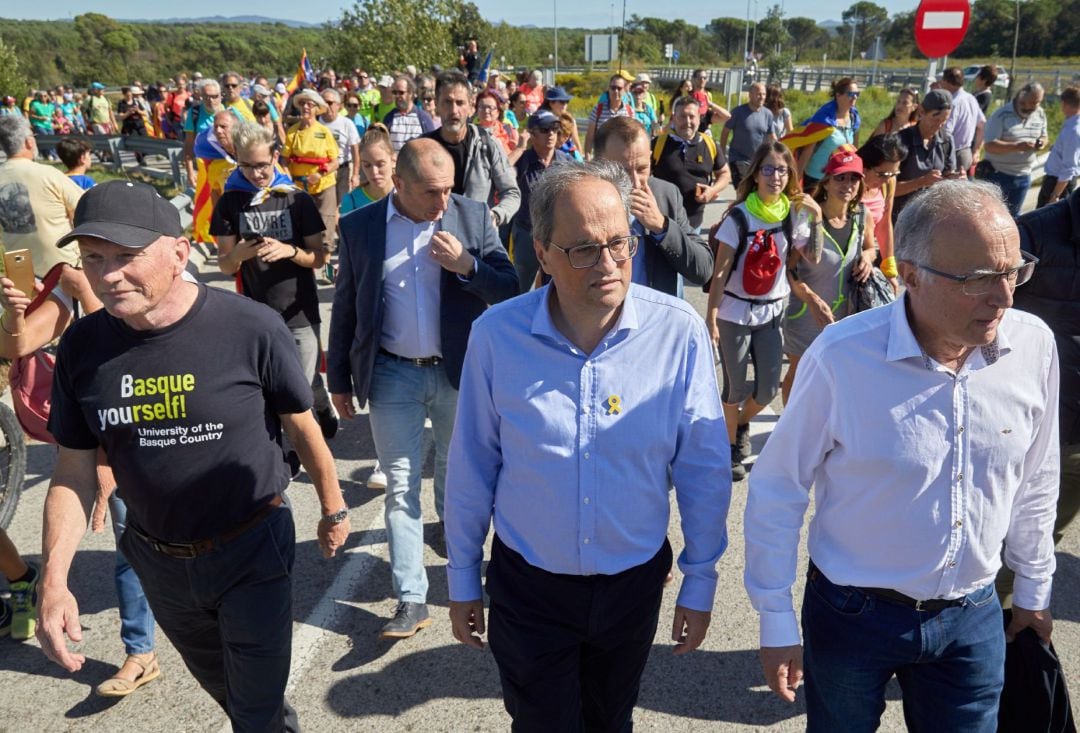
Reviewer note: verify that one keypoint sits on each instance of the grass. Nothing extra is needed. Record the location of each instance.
(100, 174)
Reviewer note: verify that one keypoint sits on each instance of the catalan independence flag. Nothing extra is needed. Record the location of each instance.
(303, 72)
(810, 133)
(214, 167)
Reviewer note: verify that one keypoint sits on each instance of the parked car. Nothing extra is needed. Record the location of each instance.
(1002, 80)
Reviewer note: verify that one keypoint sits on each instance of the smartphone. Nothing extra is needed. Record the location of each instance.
(19, 268)
(251, 238)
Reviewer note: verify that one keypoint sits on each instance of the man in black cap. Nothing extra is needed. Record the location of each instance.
(187, 389)
(931, 156)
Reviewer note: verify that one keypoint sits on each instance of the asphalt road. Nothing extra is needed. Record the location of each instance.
(345, 679)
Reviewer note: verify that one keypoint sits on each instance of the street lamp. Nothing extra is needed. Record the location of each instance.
(1012, 64)
(555, 26)
(851, 54)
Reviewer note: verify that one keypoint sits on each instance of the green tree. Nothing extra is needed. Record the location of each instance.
(869, 21)
(12, 80)
(390, 34)
(899, 40)
(772, 33)
(806, 35)
(729, 35)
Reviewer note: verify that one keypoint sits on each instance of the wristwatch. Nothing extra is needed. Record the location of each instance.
(337, 517)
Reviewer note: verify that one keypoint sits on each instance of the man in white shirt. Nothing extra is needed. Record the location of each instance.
(929, 429)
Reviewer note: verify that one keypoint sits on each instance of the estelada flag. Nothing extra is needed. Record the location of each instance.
(303, 72)
(809, 134)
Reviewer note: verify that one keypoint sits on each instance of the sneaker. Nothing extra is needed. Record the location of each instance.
(5, 618)
(738, 470)
(742, 441)
(408, 619)
(377, 479)
(24, 606)
(328, 421)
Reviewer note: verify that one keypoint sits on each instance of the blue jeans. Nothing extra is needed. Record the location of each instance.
(401, 396)
(229, 615)
(1013, 188)
(136, 618)
(950, 663)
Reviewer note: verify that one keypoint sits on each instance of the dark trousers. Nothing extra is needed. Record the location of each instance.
(1047, 188)
(571, 649)
(229, 614)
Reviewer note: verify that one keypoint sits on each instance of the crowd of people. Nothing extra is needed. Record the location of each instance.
(522, 291)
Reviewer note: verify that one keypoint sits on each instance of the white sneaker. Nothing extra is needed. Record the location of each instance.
(376, 479)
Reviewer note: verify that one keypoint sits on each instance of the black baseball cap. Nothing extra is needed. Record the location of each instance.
(126, 213)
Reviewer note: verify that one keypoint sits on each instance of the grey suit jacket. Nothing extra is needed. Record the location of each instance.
(681, 251)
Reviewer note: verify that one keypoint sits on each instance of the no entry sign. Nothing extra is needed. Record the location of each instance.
(940, 25)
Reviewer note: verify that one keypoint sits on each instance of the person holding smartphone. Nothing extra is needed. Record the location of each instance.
(1015, 135)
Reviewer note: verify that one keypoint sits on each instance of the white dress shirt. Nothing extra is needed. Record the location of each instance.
(412, 287)
(919, 473)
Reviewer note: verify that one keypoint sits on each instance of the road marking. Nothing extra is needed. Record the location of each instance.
(942, 20)
(306, 639)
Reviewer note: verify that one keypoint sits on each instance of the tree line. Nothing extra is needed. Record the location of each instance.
(389, 34)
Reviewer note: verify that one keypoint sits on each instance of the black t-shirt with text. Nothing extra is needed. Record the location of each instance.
(284, 285)
(686, 165)
(187, 415)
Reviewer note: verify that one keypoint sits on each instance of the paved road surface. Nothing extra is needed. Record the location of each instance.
(345, 679)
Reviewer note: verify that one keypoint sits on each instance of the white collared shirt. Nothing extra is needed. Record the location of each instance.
(919, 474)
(412, 287)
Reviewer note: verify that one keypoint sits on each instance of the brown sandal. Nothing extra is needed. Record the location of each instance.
(119, 687)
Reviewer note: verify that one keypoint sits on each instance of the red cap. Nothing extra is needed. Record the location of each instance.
(845, 160)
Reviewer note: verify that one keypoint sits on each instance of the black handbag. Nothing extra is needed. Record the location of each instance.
(871, 293)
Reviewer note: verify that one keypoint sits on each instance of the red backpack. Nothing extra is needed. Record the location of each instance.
(761, 258)
(31, 376)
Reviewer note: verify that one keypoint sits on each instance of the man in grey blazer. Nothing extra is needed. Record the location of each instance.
(416, 269)
(670, 246)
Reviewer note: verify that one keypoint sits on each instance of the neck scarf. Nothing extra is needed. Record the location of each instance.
(772, 213)
(281, 183)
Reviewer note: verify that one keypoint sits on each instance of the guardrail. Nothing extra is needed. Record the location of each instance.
(171, 150)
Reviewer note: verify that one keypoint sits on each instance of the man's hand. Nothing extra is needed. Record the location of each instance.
(643, 207)
(343, 403)
(1022, 618)
(930, 178)
(688, 629)
(783, 669)
(332, 536)
(467, 622)
(494, 218)
(58, 614)
(273, 250)
(701, 193)
(450, 253)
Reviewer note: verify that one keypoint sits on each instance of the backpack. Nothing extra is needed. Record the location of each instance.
(763, 258)
(624, 106)
(661, 141)
(31, 376)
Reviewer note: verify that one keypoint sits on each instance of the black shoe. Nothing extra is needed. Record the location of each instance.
(437, 543)
(738, 470)
(328, 421)
(408, 619)
(742, 441)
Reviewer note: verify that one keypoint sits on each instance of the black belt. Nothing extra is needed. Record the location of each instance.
(754, 301)
(420, 361)
(191, 550)
(888, 594)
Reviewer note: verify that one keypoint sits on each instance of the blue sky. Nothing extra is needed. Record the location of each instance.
(582, 13)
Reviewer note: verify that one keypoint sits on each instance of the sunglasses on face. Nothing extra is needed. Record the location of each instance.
(617, 89)
(232, 86)
(353, 106)
(853, 95)
(885, 174)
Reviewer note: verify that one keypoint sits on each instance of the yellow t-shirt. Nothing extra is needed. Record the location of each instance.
(242, 109)
(36, 205)
(313, 143)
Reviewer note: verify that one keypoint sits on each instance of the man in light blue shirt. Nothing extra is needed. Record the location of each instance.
(581, 403)
(1063, 164)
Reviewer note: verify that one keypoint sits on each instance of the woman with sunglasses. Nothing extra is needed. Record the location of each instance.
(489, 117)
(840, 114)
(749, 287)
(905, 113)
(353, 113)
(882, 157)
(820, 289)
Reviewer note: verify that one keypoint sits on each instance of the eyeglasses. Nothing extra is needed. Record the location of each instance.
(255, 167)
(353, 106)
(617, 89)
(486, 108)
(774, 170)
(584, 256)
(885, 174)
(428, 99)
(363, 76)
(980, 283)
(853, 95)
(231, 86)
(330, 102)
(398, 92)
(212, 96)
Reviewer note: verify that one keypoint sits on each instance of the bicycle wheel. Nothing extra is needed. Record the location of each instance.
(12, 463)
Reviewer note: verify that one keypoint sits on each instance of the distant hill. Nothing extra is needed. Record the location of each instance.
(833, 26)
(247, 19)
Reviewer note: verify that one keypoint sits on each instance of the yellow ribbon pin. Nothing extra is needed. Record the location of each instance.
(613, 405)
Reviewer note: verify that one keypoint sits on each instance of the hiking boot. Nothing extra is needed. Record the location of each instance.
(24, 606)
(408, 619)
(738, 470)
(742, 441)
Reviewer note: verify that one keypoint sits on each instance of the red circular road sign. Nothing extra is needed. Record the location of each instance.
(940, 25)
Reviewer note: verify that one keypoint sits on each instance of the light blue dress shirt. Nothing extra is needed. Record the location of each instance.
(574, 454)
(1064, 161)
(412, 287)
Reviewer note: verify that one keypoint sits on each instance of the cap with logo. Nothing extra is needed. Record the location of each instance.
(844, 160)
(126, 213)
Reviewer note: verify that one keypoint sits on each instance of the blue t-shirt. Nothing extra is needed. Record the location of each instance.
(355, 199)
(82, 181)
